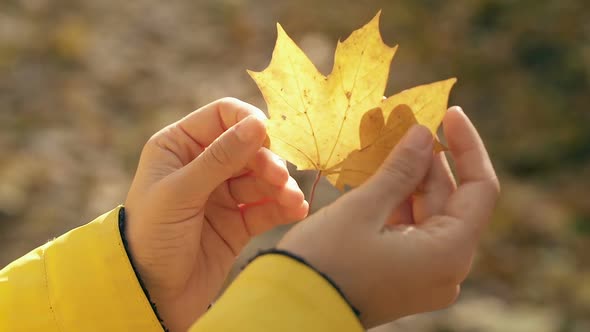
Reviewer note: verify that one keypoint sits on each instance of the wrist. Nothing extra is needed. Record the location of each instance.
(349, 266)
(124, 240)
(170, 306)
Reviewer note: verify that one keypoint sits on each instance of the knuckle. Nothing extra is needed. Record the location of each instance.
(160, 135)
(449, 296)
(227, 101)
(218, 155)
(162, 140)
(454, 271)
(495, 186)
(226, 104)
(462, 272)
(154, 142)
(402, 168)
(462, 269)
(232, 102)
(449, 276)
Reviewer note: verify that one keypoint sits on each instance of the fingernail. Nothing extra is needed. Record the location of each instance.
(419, 137)
(246, 129)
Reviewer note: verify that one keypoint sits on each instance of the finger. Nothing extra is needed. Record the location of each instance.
(260, 218)
(210, 121)
(235, 226)
(228, 154)
(269, 167)
(402, 214)
(441, 297)
(399, 175)
(438, 185)
(252, 189)
(475, 198)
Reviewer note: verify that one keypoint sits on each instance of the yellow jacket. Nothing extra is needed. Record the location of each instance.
(83, 281)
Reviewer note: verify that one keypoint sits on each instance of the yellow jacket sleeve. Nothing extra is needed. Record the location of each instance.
(278, 293)
(81, 281)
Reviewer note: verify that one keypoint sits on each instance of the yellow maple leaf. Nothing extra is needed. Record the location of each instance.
(316, 122)
(428, 104)
(314, 119)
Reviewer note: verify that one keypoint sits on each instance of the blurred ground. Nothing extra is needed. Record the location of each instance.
(83, 84)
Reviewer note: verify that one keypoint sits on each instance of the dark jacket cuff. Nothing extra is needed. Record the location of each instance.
(122, 221)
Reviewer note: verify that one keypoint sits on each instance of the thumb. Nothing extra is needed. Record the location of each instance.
(227, 155)
(402, 172)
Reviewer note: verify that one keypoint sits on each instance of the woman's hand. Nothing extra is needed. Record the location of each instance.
(204, 186)
(403, 242)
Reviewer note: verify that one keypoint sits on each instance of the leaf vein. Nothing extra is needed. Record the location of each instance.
(317, 149)
(297, 149)
(348, 107)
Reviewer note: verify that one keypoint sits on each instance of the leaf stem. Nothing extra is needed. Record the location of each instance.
(313, 188)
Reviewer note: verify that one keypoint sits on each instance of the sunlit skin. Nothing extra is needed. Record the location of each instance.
(399, 244)
(191, 210)
(403, 242)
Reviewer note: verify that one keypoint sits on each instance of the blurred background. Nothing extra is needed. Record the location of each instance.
(83, 84)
